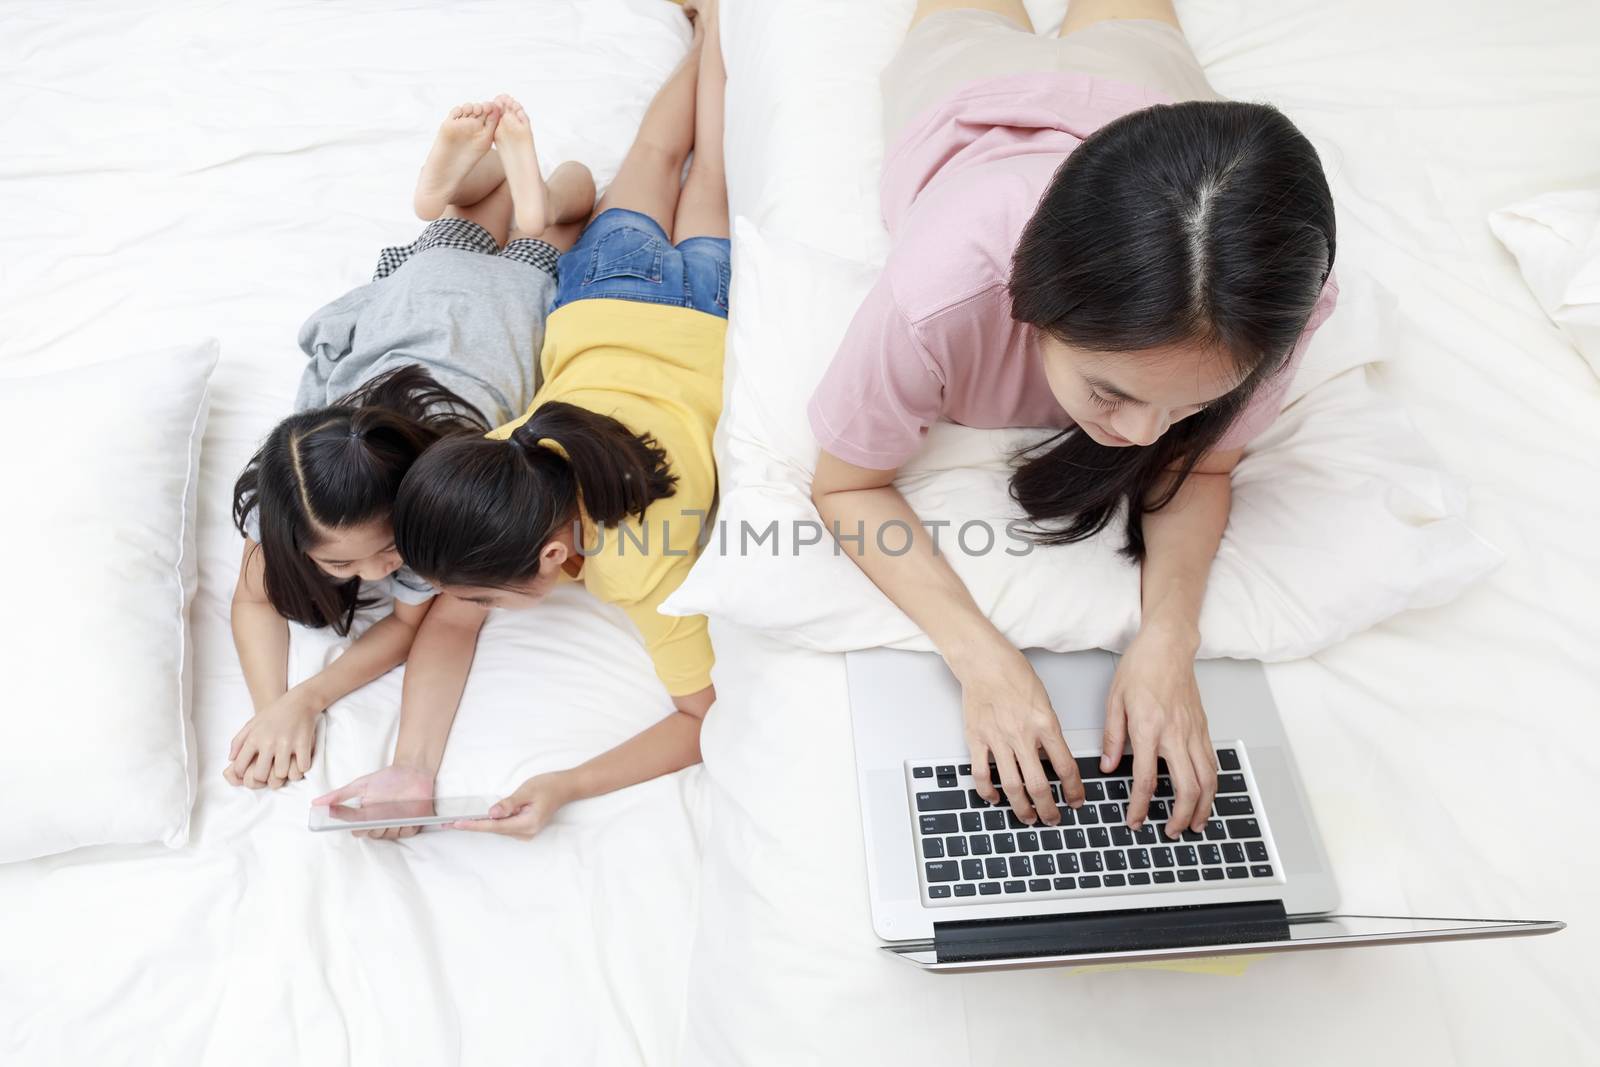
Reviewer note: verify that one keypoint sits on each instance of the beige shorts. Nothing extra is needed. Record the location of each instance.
(948, 49)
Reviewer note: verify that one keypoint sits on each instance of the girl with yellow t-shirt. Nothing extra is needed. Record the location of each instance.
(608, 477)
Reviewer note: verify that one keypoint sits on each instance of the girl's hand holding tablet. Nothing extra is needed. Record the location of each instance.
(528, 810)
(395, 782)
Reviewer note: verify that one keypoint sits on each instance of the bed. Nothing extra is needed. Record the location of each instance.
(185, 171)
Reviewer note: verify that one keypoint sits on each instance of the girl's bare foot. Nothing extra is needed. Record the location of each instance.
(530, 196)
(464, 137)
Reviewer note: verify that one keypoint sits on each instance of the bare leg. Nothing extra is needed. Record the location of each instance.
(492, 212)
(571, 200)
(464, 138)
(652, 171)
(567, 197)
(1011, 9)
(485, 175)
(703, 203)
(1084, 13)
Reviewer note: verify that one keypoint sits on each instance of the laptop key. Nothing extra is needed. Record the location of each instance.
(1016, 886)
(1163, 787)
(994, 819)
(955, 846)
(1074, 838)
(1093, 863)
(1088, 767)
(1188, 874)
(1193, 835)
(1110, 813)
(1020, 867)
(1162, 856)
(965, 768)
(971, 822)
(1215, 831)
(922, 772)
(1115, 860)
(1049, 771)
(938, 892)
(1186, 856)
(932, 849)
(974, 800)
(1261, 870)
(1044, 863)
(1099, 837)
(1139, 878)
(988, 888)
(1139, 858)
(1067, 863)
(946, 871)
(1094, 790)
(1211, 874)
(1233, 852)
(1117, 789)
(1238, 872)
(1116, 881)
(1087, 815)
(947, 781)
(950, 800)
(1090, 881)
(1039, 885)
(966, 889)
(1160, 811)
(1013, 822)
(1234, 805)
(1210, 854)
(1065, 883)
(972, 870)
(994, 867)
(1146, 834)
(979, 844)
(945, 768)
(1231, 783)
(1050, 840)
(1028, 841)
(1256, 850)
(1243, 828)
(937, 824)
(1121, 835)
(1005, 843)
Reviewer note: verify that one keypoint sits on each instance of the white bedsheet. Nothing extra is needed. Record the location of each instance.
(1449, 753)
(173, 171)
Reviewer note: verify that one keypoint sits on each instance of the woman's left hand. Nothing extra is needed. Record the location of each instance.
(1155, 705)
(528, 810)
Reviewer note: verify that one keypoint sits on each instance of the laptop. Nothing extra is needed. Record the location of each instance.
(959, 885)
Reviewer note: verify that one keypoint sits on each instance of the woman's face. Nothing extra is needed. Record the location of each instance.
(366, 552)
(1131, 398)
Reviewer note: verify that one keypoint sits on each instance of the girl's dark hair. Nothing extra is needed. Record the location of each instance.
(475, 511)
(1203, 223)
(334, 467)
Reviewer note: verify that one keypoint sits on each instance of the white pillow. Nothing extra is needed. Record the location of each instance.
(1340, 486)
(96, 744)
(1556, 239)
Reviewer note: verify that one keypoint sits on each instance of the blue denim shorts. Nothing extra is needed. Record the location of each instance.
(625, 255)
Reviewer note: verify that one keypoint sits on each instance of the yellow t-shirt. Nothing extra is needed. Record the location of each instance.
(658, 370)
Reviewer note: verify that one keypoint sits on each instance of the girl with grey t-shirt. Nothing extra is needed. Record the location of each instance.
(445, 340)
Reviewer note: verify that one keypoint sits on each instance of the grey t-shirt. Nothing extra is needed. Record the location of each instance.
(474, 322)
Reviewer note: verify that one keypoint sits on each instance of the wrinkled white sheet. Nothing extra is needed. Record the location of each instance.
(176, 171)
(1449, 753)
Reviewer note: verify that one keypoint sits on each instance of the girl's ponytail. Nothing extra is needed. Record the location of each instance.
(619, 473)
(478, 512)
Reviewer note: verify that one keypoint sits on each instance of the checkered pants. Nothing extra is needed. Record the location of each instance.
(470, 237)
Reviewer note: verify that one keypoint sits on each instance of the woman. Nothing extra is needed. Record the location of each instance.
(1074, 250)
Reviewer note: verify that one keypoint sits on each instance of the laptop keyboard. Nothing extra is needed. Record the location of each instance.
(971, 851)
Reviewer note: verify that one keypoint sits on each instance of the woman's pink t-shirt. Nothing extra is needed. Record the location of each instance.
(935, 339)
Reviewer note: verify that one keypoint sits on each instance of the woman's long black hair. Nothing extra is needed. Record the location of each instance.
(334, 467)
(1207, 224)
(477, 512)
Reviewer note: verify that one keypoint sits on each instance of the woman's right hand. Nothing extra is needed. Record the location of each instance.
(395, 782)
(1009, 720)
